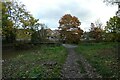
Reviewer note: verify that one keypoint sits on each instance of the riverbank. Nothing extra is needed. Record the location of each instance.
(40, 62)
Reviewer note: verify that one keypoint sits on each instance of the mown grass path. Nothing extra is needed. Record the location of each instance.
(77, 66)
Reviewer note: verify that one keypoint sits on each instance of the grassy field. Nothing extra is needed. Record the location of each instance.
(40, 62)
(102, 56)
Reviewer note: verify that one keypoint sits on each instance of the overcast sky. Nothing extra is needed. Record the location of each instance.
(50, 11)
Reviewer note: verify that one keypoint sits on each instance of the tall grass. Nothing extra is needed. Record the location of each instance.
(102, 56)
(40, 62)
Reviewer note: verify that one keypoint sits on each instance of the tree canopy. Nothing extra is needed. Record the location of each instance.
(15, 16)
(96, 31)
(69, 30)
(68, 21)
(113, 28)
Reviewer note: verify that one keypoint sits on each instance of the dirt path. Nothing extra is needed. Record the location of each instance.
(71, 69)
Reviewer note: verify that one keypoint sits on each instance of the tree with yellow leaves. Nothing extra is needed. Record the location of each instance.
(69, 30)
(96, 32)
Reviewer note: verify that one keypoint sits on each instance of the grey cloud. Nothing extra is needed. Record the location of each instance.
(52, 15)
(85, 10)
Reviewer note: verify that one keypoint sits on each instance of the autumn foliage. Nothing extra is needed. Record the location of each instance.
(96, 32)
(69, 30)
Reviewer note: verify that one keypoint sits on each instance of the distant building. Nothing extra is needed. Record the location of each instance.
(86, 37)
(52, 35)
(23, 34)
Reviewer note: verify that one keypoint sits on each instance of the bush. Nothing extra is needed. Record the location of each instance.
(35, 38)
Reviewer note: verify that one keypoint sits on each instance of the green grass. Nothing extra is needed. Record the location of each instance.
(102, 56)
(41, 62)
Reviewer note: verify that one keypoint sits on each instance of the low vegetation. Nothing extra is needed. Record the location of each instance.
(102, 56)
(40, 62)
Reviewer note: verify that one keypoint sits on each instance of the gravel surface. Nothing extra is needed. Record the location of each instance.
(71, 69)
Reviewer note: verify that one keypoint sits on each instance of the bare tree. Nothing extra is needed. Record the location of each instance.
(114, 2)
(111, 2)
